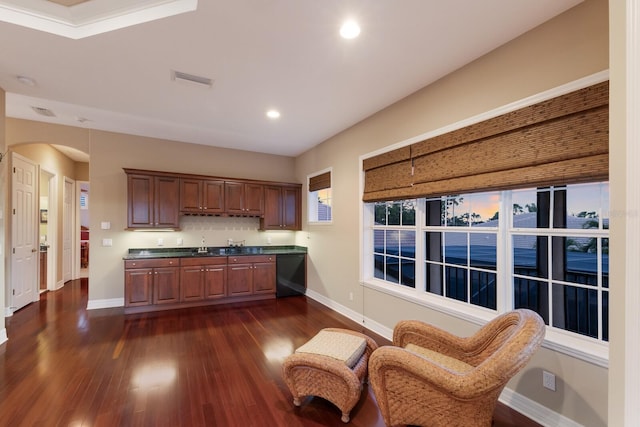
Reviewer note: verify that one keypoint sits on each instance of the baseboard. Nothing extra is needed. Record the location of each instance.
(8, 312)
(105, 303)
(3, 336)
(527, 407)
(535, 411)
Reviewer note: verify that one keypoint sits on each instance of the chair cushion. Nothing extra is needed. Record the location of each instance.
(441, 359)
(344, 347)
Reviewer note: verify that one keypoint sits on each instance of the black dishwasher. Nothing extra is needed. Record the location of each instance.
(291, 274)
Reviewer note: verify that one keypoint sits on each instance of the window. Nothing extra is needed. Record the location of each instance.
(394, 240)
(545, 249)
(319, 202)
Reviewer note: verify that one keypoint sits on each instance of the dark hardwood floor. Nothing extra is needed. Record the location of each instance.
(213, 366)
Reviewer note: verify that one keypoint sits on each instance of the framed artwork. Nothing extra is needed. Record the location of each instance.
(43, 216)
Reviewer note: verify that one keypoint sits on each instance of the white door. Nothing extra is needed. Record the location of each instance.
(68, 219)
(24, 232)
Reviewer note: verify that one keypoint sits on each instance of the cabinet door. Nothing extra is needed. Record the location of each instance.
(264, 277)
(254, 199)
(167, 209)
(239, 279)
(166, 285)
(233, 197)
(291, 216)
(213, 196)
(138, 285)
(190, 195)
(192, 283)
(140, 201)
(215, 281)
(272, 208)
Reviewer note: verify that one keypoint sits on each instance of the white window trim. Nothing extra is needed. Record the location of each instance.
(309, 204)
(574, 345)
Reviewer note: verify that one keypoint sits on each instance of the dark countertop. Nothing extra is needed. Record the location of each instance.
(215, 251)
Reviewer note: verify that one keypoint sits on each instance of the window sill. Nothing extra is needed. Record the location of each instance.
(555, 340)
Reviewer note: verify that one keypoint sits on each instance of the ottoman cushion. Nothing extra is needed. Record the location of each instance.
(344, 347)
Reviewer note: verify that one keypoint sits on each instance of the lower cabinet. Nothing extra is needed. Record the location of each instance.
(251, 275)
(203, 279)
(151, 282)
(160, 284)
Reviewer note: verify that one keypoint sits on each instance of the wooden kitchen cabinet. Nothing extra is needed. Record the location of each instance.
(153, 201)
(251, 275)
(151, 282)
(203, 278)
(264, 275)
(201, 196)
(244, 198)
(281, 208)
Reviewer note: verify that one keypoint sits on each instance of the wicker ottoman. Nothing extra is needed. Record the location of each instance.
(332, 365)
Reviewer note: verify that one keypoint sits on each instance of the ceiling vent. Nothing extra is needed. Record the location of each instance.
(43, 111)
(179, 76)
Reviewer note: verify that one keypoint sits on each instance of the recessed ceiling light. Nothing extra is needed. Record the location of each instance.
(26, 80)
(273, 114)
(350, 29)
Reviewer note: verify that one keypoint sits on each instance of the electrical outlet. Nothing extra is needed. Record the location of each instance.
(107, 242)
(350, 296)
(160, 241)
(549, 380)
(179, 241)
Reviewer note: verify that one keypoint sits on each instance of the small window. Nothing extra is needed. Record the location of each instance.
(320, 201)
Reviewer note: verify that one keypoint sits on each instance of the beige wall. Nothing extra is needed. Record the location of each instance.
(111, 152)
(572, 46)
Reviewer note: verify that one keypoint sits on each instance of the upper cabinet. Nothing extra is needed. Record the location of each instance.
(152, 201)
(242, 198)
(157, 199)
(201, 196)
(281, 208)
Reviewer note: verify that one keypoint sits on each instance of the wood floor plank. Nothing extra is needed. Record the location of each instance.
(208, 366)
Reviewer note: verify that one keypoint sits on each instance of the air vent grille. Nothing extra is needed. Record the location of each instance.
(191, 78)
(43, 111)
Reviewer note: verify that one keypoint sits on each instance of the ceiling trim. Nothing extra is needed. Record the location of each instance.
(91, 17)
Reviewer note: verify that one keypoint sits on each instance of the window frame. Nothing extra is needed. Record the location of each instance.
(312, 199)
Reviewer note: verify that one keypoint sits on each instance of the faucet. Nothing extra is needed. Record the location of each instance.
(202, 249)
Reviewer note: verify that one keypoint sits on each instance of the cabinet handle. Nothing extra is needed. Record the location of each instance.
(150, 273)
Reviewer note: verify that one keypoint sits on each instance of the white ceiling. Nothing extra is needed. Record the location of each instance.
(261, 54)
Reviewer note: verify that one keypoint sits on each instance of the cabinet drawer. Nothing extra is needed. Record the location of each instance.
(151, 263)
(248, 259)
(214, 260)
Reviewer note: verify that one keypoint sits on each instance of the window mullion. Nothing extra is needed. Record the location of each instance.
(504, 254)
(420, 256)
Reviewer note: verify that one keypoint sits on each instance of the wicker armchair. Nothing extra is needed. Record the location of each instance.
(430, 377)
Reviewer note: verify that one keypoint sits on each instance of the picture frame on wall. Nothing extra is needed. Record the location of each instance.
(44, 215)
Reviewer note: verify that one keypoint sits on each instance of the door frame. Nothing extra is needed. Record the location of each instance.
(69, 223)
(77, 241)
(52, 230)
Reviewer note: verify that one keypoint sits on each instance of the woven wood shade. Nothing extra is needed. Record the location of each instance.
(320, 182)
(563, 140)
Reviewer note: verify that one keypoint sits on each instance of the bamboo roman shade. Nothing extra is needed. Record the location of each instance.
(563, 140)
(320, 182)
